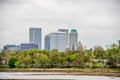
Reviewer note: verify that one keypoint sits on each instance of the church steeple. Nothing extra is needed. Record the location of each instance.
(79, 47)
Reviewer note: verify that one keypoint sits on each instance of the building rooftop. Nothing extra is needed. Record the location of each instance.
(73, 30)
(34, 28)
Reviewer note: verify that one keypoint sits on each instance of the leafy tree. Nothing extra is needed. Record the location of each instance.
(68, 51)
(44, 60)
(79, 59)
(54, 58)
(11, 62)
(113, 55)
(46, 52)
(86, 57)
(99, 52)
(62, 59)
(24, 59)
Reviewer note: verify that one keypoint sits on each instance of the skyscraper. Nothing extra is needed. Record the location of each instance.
(35, 36)
(73, 39)
(58, 41)
(47, 42)
(66, 31)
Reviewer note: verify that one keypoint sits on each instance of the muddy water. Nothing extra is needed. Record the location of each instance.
(51, 76)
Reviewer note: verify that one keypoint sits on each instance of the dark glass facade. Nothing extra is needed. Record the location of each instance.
(26, 46)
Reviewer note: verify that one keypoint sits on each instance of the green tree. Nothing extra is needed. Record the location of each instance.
(80, 60)
(68, 51)
(24, 59)
(54, 58)
(44, 60)
(99, 52)
(12, 62)
(46, 52)
(70, 59)
(62, 59)
(113, 55)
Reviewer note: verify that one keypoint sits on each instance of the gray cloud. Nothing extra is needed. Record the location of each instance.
(9, 2)
(96, 20)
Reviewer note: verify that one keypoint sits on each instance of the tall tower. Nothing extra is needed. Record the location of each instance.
(66, 31)
(47, 42)
(35, 36)
(73, 39)
(58, 41)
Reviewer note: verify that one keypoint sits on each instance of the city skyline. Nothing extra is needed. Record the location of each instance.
(97, 21)
(60, 40)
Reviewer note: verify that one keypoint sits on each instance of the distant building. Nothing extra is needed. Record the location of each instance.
(47, 42)
(58, 41)
(119, 42)
(35, 36)
(11, 47)
(73, 39)
(26, 46)
(66, 31)
(3, 60)
(79, 47)
(63, 30)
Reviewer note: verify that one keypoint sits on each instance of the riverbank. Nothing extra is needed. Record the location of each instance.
(71, 71)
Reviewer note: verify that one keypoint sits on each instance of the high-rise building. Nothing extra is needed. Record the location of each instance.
(26, 46)
(35, 36)
(73, 39)
(47, 42)
(58, 41)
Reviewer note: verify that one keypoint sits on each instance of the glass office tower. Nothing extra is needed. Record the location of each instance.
(35, 36)
(73, 39)
(47, 42)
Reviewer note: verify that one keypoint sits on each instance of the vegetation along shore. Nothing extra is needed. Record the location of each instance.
(96, 61)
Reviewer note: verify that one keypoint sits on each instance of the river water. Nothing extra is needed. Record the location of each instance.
(51, 76)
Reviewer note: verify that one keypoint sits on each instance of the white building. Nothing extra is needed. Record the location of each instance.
(59, 40)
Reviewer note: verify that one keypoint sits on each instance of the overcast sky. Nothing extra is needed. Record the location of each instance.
(97, 21)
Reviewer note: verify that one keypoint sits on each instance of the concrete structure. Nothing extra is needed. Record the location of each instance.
(26, 46)
(67, 35)
(119, 42)
(11, 47)
(58, 41)
(73, 39)
(3, 60)
(63, 30)
(35, 36)
(47, 42)
(79, 47)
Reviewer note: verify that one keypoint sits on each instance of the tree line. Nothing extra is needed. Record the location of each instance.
(98, 57)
